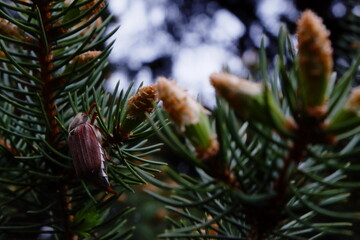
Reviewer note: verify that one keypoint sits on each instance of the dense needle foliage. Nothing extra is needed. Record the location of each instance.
(52, 60)
(273, 160)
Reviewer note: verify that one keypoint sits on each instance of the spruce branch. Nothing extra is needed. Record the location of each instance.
(47, 49)
(272, 171)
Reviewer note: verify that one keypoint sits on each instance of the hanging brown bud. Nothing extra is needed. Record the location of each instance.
(87, 152)
(137, 107)
(315, 60)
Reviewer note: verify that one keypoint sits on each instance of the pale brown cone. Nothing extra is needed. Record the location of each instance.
(142, 101)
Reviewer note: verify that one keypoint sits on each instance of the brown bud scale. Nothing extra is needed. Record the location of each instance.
(142, 101)
(85, 57)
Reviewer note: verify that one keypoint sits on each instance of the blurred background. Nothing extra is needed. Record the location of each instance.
(187, 40)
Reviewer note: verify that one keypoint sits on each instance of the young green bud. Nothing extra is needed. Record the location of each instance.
(139, 104)
(348, 117)
(250, 101)
(315, 61)
(189, 115)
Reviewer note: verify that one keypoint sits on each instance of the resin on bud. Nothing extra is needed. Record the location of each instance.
(348, 117)
(137, 107)
(314, 61)
(250, 101)
(189, 115)
(87, 153)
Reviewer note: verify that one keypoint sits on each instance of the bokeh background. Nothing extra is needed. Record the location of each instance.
(187, 40)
